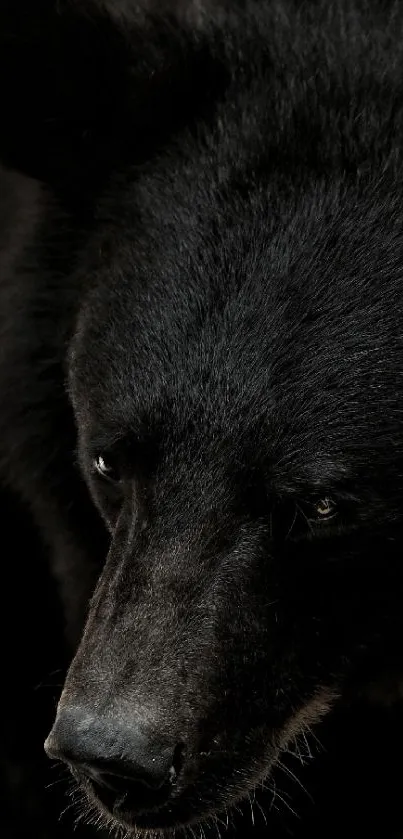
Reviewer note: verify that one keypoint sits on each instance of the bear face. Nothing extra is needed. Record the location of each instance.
(233, 368)
(228, 422)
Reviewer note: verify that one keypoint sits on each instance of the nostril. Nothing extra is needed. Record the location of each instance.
(118, 776)
(116, 783)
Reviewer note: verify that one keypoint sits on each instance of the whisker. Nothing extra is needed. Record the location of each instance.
(294, 777)
(292, 523)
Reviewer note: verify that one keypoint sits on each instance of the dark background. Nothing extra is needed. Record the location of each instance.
(353, 783)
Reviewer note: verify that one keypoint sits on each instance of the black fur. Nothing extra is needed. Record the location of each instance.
(206, 290)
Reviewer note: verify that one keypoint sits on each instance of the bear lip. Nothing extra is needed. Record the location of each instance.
(118, 804)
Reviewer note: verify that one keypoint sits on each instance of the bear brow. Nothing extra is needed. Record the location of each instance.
(104, 442)
(130, 446)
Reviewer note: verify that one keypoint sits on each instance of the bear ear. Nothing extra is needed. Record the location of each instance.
(87, 84)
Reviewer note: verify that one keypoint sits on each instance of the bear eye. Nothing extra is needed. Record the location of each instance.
(106, 469)
(325, 508)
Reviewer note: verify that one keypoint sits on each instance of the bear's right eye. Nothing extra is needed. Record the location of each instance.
(106, 469)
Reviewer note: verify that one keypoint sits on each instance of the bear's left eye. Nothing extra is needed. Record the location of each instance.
(106, 469)
(325, 509)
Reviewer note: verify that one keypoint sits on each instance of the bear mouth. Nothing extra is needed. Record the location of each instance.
(120, 805)
(125, 811)
(153, 810)
(176, 806)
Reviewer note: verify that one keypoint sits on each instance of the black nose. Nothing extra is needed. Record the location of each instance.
(118, 755)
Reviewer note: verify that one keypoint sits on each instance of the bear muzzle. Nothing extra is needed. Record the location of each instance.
(124, 763)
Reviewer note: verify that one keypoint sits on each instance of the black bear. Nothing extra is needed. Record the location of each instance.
(201, 376)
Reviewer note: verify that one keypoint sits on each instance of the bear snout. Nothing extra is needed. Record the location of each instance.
(122, 761)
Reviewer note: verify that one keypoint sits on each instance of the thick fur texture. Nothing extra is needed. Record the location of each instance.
(202, 291)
